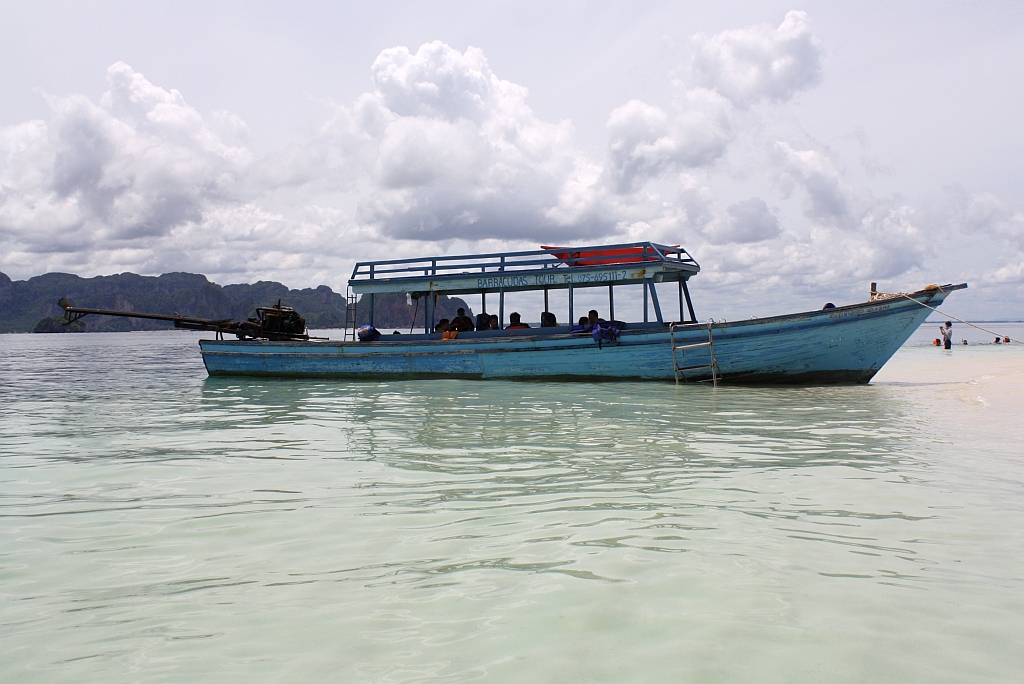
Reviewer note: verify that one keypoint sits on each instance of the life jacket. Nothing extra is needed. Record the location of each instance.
(606, 331)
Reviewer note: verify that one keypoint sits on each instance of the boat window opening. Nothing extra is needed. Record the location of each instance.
(428, 319)
(654, 300)
(689, 304)
(412, 323)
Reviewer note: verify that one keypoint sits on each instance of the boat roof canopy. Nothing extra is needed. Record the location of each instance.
(547, 268)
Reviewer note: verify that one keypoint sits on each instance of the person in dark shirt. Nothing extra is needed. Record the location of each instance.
(462, 322)
(442, 326)
(514, 322)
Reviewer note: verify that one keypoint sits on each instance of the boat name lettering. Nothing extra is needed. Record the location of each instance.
(550, 279)
(507, 281)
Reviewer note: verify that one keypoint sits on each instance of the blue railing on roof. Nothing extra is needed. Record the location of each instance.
(552, 257)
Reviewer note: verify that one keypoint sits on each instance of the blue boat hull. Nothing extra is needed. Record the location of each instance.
(842, 345)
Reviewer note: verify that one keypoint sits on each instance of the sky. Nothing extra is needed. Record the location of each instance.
(798, 151)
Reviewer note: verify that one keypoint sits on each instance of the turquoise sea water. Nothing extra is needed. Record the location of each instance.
(157, 525)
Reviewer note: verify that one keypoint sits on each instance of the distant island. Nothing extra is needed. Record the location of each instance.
(31, 305)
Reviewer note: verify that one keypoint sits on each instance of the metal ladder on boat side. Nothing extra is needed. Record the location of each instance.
(350, 315)
(710, 344)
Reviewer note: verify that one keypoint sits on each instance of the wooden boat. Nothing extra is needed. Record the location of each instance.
(846, 344)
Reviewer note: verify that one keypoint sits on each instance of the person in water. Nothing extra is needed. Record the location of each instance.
(515, 322)
(947, 334)
(1006, 340)
(998, 341)
(462, 322)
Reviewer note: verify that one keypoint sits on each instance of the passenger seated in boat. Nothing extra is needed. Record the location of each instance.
(442, 326)
(514, 322)
(547, 320)
(494, 324)
(483, 321)
(462, 322)
(583, 325)
(592, 318)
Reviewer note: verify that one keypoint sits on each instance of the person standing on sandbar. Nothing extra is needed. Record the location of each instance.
(947, 335)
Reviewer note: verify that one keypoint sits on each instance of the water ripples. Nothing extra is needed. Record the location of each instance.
(156, 524)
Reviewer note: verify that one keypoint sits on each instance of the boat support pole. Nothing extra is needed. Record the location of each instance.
(645, 300)
(371, 297)
(501, 299)
(571, 319)
(689, 304)
(545, 300)
(611, 304)
(682, 317)
(654, 300)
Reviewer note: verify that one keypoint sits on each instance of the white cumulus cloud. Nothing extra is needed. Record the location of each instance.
(132, 167)
(449, 150)
(646, 142)
(760, 63)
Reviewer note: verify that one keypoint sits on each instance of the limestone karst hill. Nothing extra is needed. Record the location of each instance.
(27, 305)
